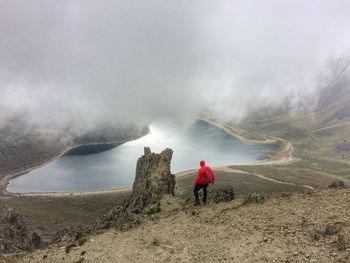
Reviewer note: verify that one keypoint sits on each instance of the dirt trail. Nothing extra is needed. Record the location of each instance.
(281, 182)
(228, 169)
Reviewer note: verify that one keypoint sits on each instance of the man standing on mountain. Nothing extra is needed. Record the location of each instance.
(205, 176)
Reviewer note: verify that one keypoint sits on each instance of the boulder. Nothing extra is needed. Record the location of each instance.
(13, 232)
(255, 198)
(224, 194)
(337, 184)
(119, 217)
(36, 240)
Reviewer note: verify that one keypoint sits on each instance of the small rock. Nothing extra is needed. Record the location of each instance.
(82, 241)
(337, 184)
(224, 194)
(81, 260)
(36, 240)
(332, 229)
(255, 198)
(155, 242)
(69, 247)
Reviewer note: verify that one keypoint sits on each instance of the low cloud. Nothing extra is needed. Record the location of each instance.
(80, 64)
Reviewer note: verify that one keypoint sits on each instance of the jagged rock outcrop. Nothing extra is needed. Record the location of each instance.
(153, 179)
(70, 235)
(13, 232)
(119, 217)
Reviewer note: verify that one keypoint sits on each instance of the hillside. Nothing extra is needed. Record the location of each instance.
(306, 227)
(320, 130)
(22, 148)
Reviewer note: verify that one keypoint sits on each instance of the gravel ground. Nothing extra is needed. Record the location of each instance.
(308, 227)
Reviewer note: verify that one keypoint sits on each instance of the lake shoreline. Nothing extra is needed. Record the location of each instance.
(284, 155)
(4, 182)
(242, 135)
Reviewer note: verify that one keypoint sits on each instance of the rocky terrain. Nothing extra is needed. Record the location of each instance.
(13, 233)
(308, 227)
(153, 180)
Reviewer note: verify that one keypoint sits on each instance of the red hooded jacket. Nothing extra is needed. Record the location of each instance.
(204, 173)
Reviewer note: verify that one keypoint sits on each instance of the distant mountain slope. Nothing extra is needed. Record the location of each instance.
(23, 147)
(319, 129)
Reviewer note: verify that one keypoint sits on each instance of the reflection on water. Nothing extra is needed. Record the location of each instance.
(116, 167)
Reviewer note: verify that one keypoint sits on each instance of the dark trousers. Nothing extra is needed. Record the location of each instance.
(197, 188)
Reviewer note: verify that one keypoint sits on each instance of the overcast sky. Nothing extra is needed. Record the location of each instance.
(80, 63)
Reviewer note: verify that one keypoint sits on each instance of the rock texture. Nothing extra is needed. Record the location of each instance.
(279, 230)
(13, 232)
(153, 179)
(336, 184)
(255, 198)
(224, 194)
(119, 217)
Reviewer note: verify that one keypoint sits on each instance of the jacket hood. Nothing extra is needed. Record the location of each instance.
(202, 163)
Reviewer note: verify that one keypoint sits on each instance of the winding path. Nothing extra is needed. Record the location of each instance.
(281, 182)
(228, 169)
(283, 157)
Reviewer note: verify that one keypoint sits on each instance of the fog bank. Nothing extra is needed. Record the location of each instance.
(81, 64)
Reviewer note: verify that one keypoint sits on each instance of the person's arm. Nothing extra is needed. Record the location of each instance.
(212, 176)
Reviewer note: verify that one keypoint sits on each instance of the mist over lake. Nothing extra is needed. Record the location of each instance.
(116, 167)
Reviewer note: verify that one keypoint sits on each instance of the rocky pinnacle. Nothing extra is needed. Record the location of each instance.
(153, 179)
